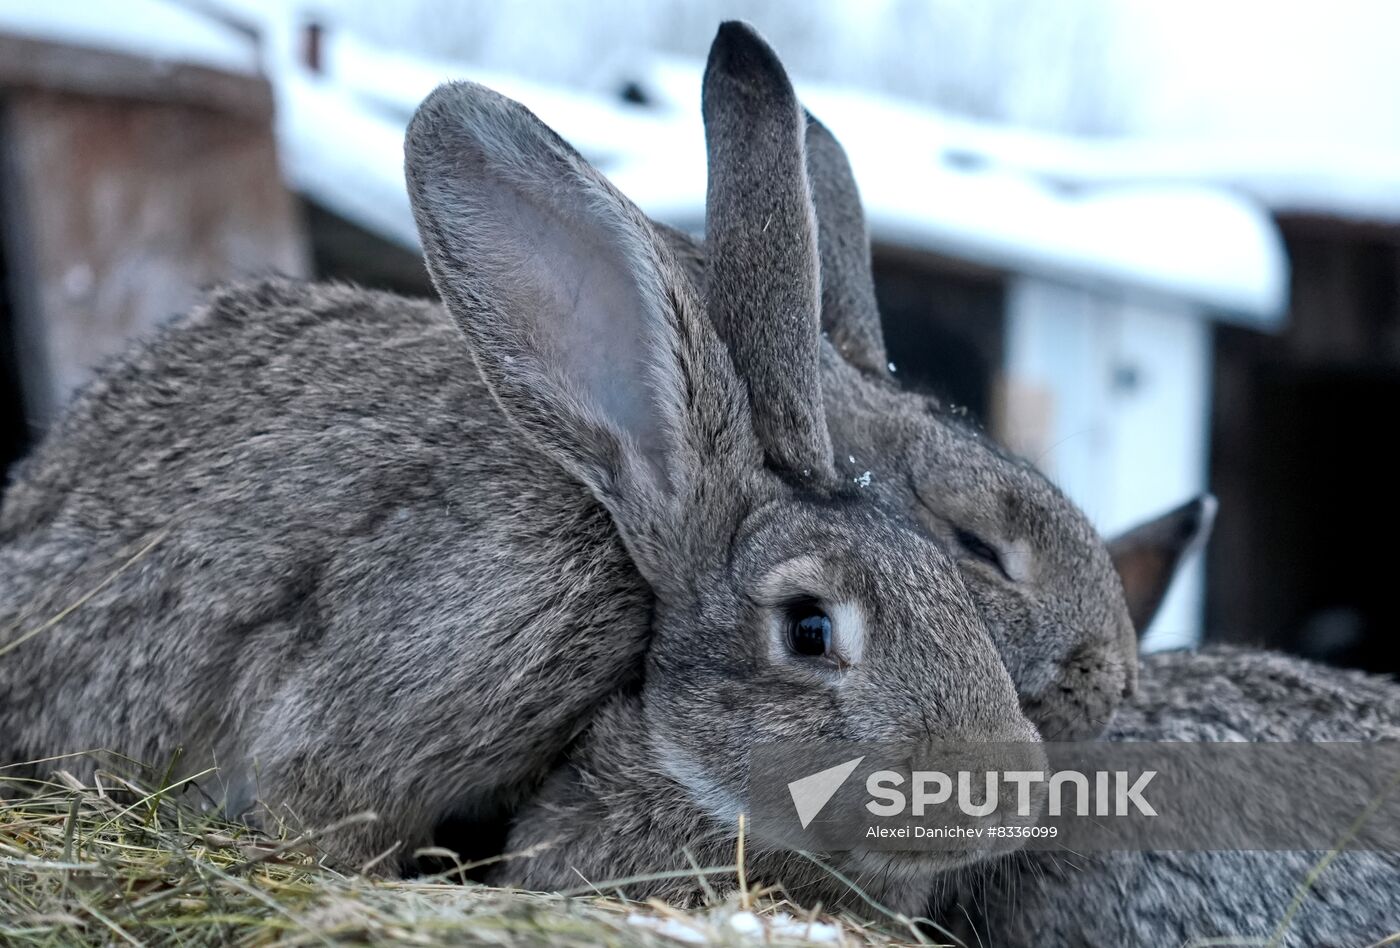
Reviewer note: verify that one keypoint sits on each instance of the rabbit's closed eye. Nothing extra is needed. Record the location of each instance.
(981, 549)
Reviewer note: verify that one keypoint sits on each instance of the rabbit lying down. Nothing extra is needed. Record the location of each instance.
(959, 484)
(612, 814)
(1178, 898)
(616, 811)
(362, 566)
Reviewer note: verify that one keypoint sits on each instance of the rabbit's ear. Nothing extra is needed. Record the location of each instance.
(850, 316)
(762, 287)
(1147, 556)
(575, 313)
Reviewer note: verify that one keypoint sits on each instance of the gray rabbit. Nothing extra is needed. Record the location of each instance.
(1179, 898)
(1219, 694)
(1039, 573)
(663, 768)
(618, 809)
(315, 539)
(618, 815)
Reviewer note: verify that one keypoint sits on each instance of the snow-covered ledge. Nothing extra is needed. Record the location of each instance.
(1190, 242)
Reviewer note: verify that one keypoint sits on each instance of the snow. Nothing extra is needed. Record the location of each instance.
(673, 928)
(1291, 74)
(341, 134)
(933, 182)
(761, 929)
(1182, 222)
(1285, 174)
(656, 157)
(148, 28)
(345, 157)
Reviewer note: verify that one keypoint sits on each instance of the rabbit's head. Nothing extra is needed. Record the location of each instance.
(1039, 573)
(789, 601)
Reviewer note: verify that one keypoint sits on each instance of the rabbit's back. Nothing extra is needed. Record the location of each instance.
(303, 490)
(1225, 693)
(1160, 898)
(321, 377)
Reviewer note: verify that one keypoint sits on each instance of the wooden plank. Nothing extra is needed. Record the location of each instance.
(121, 213)
(36, 64)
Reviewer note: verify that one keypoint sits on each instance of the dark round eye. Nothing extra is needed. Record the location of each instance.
(808, 629)
(978, 547)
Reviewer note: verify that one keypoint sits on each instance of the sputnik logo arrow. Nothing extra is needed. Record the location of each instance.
(811, 793)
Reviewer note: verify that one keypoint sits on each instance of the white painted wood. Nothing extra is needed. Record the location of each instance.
(1110, 397)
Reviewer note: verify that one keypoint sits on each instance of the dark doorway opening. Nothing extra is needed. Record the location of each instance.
(1316, 569)
(14, 430)
(343, 250)
(944, 329)
(1304, 553)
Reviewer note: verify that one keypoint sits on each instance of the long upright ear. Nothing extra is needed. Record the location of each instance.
(850, 316)
(760, 236)
(575, 312)
(1147, 556)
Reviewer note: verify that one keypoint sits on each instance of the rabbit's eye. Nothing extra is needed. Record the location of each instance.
(808, 629)
(980, 548)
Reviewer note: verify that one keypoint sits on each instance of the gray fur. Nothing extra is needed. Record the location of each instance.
(1177, 898)
(1055, 607)
(1057, 611)
(612, 812)
(764, 294)
(370, 593)
(850, 316)
(1223, 694)
(618, 809)
(660, 778)
(394, 572)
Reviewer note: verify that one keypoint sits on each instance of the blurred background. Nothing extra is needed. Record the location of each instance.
(1155, 247)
